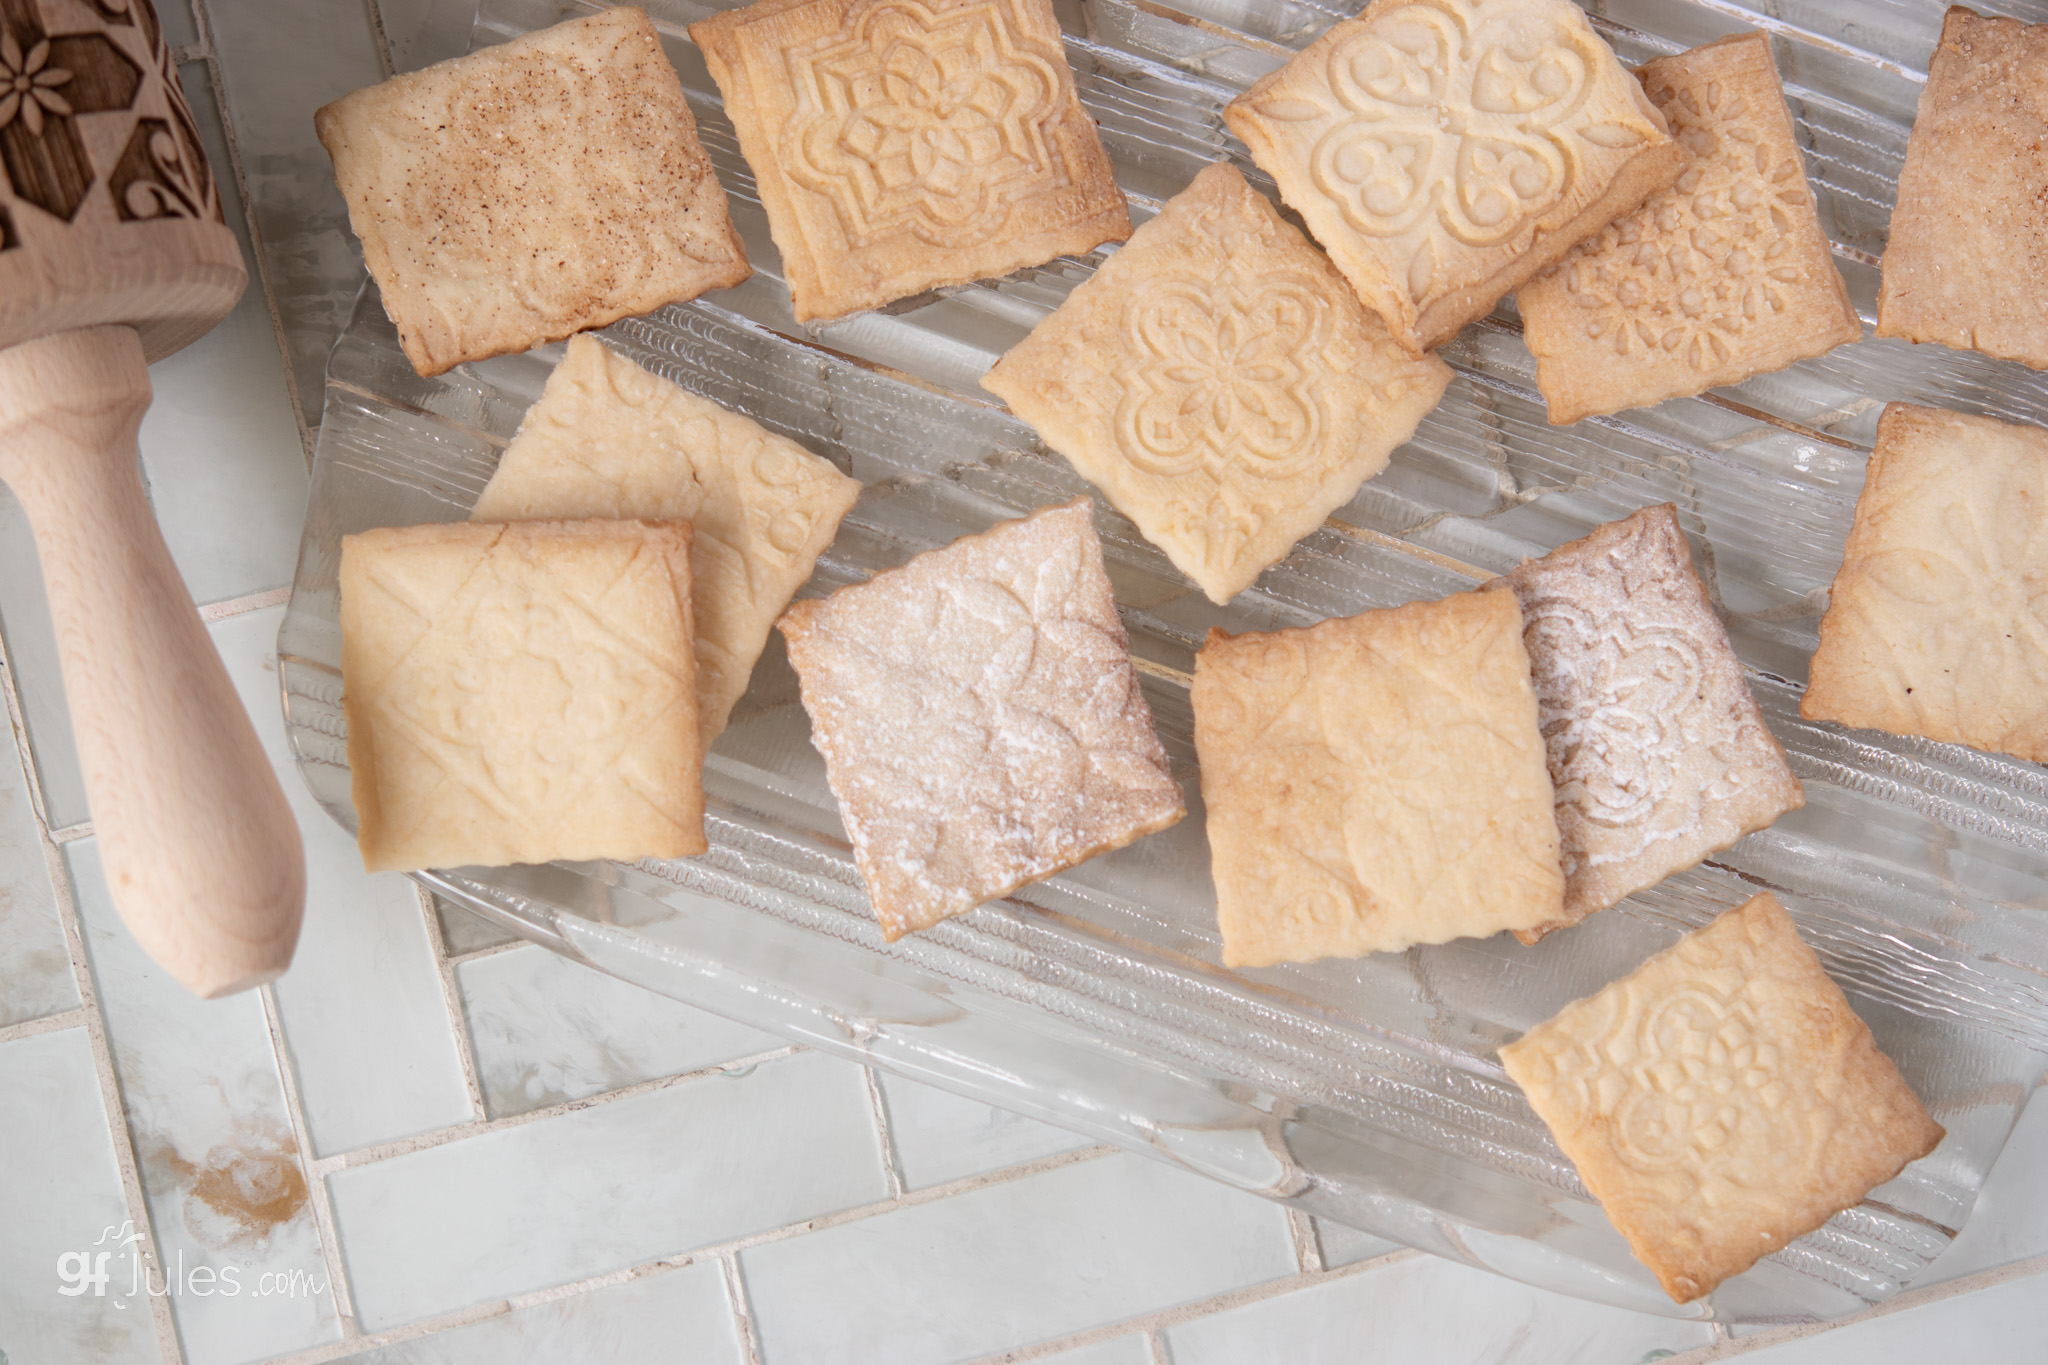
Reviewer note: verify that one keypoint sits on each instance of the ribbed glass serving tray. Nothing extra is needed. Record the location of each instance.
(1365, 1091)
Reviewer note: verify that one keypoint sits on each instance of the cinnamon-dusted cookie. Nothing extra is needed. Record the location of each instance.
(1444, 151)
(1938, 621)
(1656, 747)
(1722, 1099)
(518, 694)
(1725, 275)
(1965, 264)
(609, 439)
(1220, 382)
(980, 720)
(901, 145)
(1374, 782)
(530, 190)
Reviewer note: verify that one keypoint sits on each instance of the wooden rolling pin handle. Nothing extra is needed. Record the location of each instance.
(201, 852)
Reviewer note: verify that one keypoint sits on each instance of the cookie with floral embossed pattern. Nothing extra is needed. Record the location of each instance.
(979, 717)
(521, 693)
(1444, 151)
(902, 145)
(609, 439)
(1219, 381)
(530, 190)
(1374, 782)
(1722, 1099)
(1658, 752)
(1937, 624)
(1725, 275)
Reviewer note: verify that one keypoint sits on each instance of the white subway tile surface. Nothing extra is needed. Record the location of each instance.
(213, 1138)
(2005, 1324)
(35, 967)
(1133, 1350)
(548, 1030)
(1047, 1255)
(596, 1190)
(680, 1315)
(61, 1195)
(220, 448)
(942, 1137)
(1342, 1246)
(1424, 1309)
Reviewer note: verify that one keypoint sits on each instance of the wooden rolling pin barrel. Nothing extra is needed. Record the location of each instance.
(114, 252)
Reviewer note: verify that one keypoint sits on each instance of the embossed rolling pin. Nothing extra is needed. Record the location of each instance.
(114, 252)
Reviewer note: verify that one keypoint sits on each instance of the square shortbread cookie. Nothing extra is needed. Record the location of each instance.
(980, 720)
(901, 145)
(530, 190)
(1938, 624)
(1725, 275)
(518, 694)
(1721, 1100)
(1220, 382)
(1444, 152)
(1374, 782)
(1964, 264)
(1657, 750)
(609, 439)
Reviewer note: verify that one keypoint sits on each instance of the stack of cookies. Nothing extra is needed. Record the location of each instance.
(542, 681)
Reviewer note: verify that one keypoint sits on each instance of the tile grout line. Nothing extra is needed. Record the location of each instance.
(18, 726)
(373, 13)
(1733, 1347)
(236, 606)
(114, 1109)
(49, 1023)
(885, 1133)
(512, 1303)
(323, 1205)
(1308, 1250)
(441, 1137)
(203, 21)
(1155, 1347)
(72, 833)
(1153, 1326)
(742, 1315)
(488, 950)
(451, 1000)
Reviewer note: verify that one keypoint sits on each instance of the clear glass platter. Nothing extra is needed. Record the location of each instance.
(1366, 1091)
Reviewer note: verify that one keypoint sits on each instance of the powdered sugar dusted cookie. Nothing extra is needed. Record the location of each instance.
(530, 190)
(1725, 275)
(518, 694)
(1963, 265)
(980, 720)
(1937, 624)
(1375, 782)
(1721, 1100)
(609, 439)
(1220, 382)
(1444, 151)
(1656, 747)
(901, 145)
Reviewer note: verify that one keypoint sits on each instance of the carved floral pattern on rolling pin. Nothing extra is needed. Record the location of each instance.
(63, 86)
